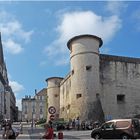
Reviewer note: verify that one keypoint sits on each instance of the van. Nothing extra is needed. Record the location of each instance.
(118, 129)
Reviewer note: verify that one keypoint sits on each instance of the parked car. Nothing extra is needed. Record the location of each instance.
(118, 129)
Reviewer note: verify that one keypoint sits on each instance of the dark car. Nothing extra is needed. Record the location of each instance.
(118, 129)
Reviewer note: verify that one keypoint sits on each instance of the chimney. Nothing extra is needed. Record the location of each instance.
(35, 91)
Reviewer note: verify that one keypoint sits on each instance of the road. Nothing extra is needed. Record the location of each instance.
(37, 133)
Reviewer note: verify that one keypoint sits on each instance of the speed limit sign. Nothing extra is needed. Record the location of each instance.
(51, 110)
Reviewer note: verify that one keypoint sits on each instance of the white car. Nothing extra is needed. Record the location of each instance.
(17, 131)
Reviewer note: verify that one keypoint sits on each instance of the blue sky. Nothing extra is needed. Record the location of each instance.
(34, 36)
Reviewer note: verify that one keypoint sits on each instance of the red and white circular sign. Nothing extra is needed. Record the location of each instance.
(52, 110)
(51, 117)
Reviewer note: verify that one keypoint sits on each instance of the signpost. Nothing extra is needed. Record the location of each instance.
(51, 110)
(51, 117)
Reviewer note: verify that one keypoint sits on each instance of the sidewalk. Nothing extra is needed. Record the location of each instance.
(29, 133)
(24, 135)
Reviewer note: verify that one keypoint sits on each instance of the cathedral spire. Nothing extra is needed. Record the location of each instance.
(1, 52)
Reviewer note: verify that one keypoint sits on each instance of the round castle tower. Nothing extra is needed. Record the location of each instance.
(85, 88)
(53, 93)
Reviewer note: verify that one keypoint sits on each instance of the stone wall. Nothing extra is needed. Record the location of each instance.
(65, 98)
(120, 78)
(98, 86)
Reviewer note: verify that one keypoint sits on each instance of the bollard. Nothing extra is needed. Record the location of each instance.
(60, 135)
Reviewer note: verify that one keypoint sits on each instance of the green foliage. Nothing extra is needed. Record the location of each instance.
(41, 121)
(60, 121)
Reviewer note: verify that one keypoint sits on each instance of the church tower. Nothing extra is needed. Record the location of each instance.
(1, 52)
(3, 68)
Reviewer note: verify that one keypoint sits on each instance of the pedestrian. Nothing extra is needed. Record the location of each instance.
(21, 127)
(83, 125)
(78, 123)
(73, 124)
(48, 132)
(9, 132)
(50, 123)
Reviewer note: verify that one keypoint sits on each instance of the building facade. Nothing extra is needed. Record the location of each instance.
(98, 86)
(7, 97)
(34, 108)
(11, 109)
(19, 116)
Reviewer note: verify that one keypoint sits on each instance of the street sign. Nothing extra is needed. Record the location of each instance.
(52, 110)
(51, 117)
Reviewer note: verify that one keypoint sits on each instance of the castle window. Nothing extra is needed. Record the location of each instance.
(72, 72)
(78, 96)
(68, 107)
(56, 95)
(120, 98)
(97, 95)
(88, 68)
(63, 108)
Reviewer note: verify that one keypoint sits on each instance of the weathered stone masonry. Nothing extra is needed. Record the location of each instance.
(98, 86)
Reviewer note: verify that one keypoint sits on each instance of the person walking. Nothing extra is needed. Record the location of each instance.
(49, 132)
(73, 124)
(21, 128)
(78, 123)
(9, 132)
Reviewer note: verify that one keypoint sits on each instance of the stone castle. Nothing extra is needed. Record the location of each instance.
(98, 87)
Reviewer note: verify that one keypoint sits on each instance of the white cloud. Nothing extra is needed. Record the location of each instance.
(16, 87)
(136, 14)
(13, 30)
(12, 47)
(82, 22)
(105, 50)
(63, 60)
(116, 7)
(76, 23)
(136, 19)
(9, 76)
(43, 63)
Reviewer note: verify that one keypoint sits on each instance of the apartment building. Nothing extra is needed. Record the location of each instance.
(7, 97)
(34, 108)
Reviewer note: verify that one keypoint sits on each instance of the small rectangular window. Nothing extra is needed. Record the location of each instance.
(120, 98)
(68, 106)
(78, 95)
(72, 72)
(97, 95)
(63, 108)
(88, 68)
(55, 95)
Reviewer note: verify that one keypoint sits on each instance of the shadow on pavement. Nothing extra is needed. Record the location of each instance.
(35, 133)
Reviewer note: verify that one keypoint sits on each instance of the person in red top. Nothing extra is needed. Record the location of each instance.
(48, 132)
